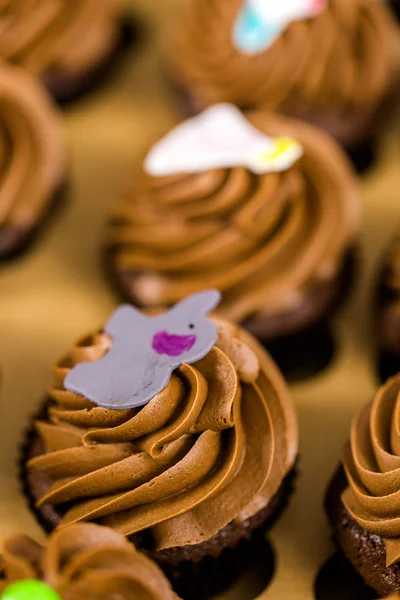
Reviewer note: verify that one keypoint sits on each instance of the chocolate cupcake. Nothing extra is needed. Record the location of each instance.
(278, 240)
(81, 562)
(189, 476)
(363, 499)
(68, 44)
(387, 312)
(331, 62)
(32, 161)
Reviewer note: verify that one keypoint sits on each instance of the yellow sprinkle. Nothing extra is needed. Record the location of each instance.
(282, 144)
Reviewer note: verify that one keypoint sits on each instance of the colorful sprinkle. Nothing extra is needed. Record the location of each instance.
(282, 146)
(261, 22)
(29, 589)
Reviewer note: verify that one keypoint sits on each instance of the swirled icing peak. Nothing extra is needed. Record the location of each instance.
(81, 562)
(144, 352)
(212, 447)
(372, 464)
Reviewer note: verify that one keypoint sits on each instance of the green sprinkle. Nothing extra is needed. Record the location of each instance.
(29, 589)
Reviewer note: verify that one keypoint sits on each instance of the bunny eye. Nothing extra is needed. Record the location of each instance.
(191, 325)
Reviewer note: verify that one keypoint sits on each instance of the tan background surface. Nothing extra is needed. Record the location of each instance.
(56, 293)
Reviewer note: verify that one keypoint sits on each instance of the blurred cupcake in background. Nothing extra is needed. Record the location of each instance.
(32, 159)
(262, 207)
(387, 311)
(188, 466)
(68, 44)
(395, 4)
(81, 562)
(333, 63)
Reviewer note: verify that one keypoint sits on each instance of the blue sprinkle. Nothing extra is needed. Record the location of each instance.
(251, 34)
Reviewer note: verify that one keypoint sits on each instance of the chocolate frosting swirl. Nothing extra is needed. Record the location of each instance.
(263, 240)
(214, 446)
(84, 561)
(342, 58)
(48, 36)
(372, 464)
(32, 162)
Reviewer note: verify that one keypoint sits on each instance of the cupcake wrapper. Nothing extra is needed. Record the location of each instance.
(212, 576)
(395, 4)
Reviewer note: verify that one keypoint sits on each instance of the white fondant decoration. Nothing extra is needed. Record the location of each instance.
(260, 22)
(144, 352)
(220, 137)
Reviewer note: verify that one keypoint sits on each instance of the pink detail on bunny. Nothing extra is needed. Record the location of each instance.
(172, 345)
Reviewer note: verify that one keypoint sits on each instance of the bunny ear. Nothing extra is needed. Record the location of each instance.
(123, 317)
(202, 302)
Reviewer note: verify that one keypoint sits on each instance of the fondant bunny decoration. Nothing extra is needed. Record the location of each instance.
(145, 351)
(220, 137)
(260, 22)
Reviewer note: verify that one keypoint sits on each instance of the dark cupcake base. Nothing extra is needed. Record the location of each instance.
(387, 322)
(395, 5)
(305, 352)
(388, 364)
(66, 88)
(365, 551)
(196, 572)
(15, 241)
(337, 580)
(363, 155)
(213, 576)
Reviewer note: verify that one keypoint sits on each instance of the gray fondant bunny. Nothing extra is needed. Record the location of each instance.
(145, 351)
